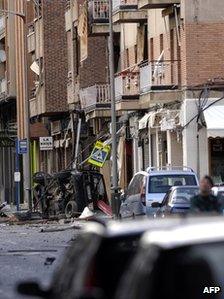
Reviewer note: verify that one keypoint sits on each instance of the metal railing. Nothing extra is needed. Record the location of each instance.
(123, 4)
(3, 86)
(2, 24)
(98, 94)
(127, 83)
(99, 10)
(159, 74)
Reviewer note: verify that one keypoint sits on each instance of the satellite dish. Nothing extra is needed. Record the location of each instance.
(2, 56)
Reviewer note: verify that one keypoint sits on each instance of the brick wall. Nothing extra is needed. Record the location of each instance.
(202, 52)
(55, 56)
(94, 69)
(129, 57)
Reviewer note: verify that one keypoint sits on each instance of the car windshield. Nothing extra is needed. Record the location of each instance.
(162, 183)
(183, 195)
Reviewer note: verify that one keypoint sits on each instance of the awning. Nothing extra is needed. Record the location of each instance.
(143, 122)
(214, 117)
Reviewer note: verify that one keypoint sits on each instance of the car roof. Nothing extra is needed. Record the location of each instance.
(218, 188)
(129, 227)
(164, 172)
(192, 231)
(170, 172)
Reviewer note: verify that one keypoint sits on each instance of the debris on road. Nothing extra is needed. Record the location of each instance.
(86, 214)
(105, 208)
(60, 229)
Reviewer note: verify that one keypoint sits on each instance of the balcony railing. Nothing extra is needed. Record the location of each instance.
(3, 86)
(124, 4)
(31, 38)
(160, 75)
(2, 24)
(127, 84)
(99, 11)
(95, 96)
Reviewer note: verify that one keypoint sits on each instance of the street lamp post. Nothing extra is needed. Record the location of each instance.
(115, 189)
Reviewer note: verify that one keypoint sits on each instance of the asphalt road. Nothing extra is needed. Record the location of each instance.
(23, 253)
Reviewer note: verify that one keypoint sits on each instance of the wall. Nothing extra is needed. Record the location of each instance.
(128, 42)
(174, 150)
(94, 70)
(202, 33)
(190, 155)
(55, 56)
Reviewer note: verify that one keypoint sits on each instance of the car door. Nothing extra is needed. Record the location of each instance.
(133, 204)
(164, 210)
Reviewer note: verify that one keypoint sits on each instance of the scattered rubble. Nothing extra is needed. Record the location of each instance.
(86, 214)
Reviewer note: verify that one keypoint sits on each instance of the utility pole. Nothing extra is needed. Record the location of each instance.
(115, 191)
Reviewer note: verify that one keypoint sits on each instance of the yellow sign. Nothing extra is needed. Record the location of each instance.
(99, 154)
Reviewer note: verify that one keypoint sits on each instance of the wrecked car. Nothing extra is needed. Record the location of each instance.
(68, 192)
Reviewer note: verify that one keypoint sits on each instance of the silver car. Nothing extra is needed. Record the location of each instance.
(176, 200)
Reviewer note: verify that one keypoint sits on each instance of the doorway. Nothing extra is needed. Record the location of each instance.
(216, 159)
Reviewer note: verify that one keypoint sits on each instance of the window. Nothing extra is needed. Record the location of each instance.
(183, 195)
(136, 54)
(162, 183)
(38, 8)
(151, 49)
(161, 43)
(136, 184)
(127, 57)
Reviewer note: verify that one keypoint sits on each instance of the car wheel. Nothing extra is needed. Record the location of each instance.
(71, 209)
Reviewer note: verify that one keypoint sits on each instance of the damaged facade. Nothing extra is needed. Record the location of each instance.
(168, 61)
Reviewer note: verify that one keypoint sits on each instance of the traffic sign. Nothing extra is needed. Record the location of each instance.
(17, 176)
(46, 143)
(99, 154)
(22, 146)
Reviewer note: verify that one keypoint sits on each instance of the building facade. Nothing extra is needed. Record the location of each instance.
(8, 121)
(168, 64)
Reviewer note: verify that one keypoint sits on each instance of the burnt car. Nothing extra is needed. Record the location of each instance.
(182, 262)
(96, 261)
(68, 192)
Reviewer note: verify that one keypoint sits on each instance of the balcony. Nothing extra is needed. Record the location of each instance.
(98, 17)
(160, 80)
(95, 100)
(2, 27)
(31, 38)
(150, 4)
(37, 101)
(126, 11)
(127, 89)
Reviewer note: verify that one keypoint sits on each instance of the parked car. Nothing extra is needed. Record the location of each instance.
(151, 186)
(176, 200)
(219, 192)
(134, 199)
(184, 262)
(94, 263)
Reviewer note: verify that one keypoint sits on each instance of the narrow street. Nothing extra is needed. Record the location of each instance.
(24, 251)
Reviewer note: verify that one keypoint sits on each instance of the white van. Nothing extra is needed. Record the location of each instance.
(151, 186)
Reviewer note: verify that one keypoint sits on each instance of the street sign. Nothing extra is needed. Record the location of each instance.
(22, 146)
(17, 176)
(99, 154)
(46, 143)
